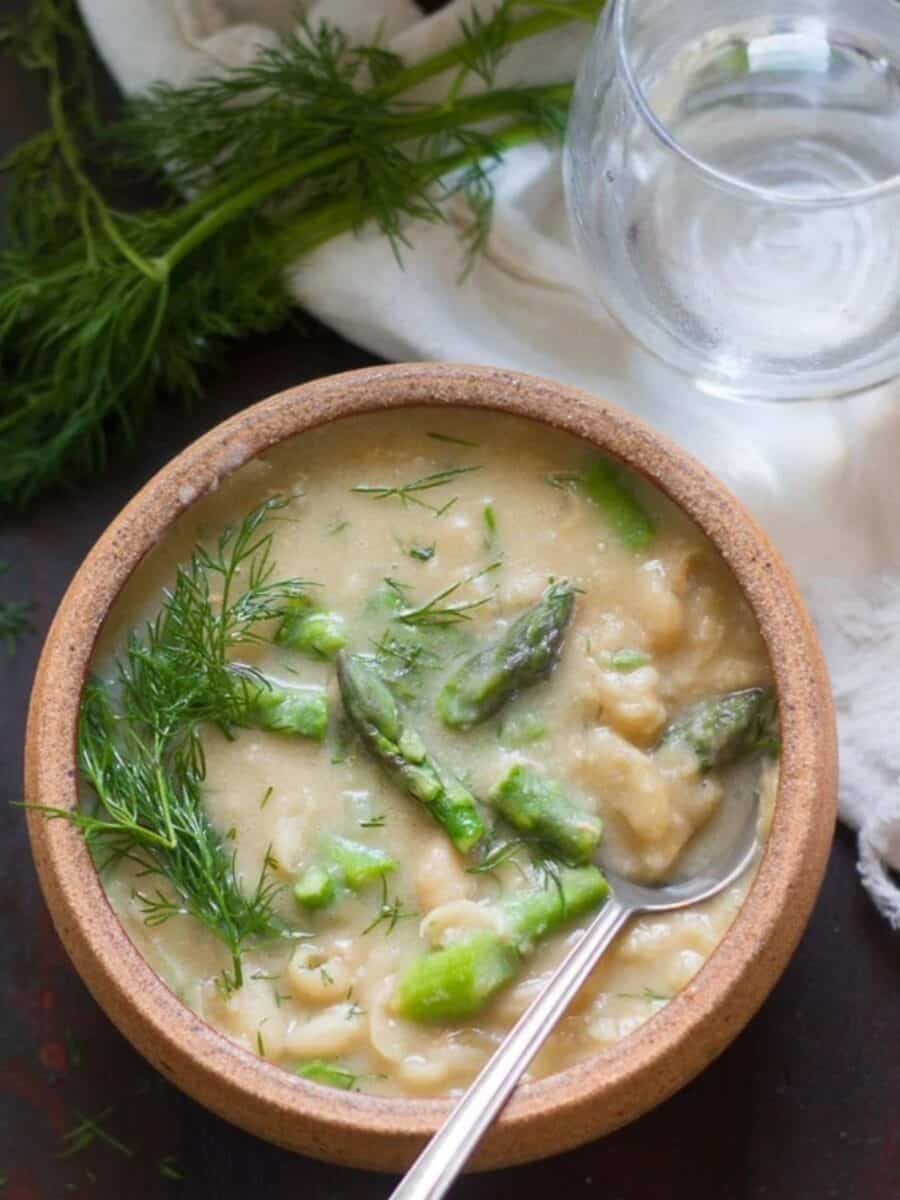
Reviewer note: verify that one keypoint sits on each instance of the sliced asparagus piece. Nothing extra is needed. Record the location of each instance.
(359, 865)
(456, 982)
(525, 653)
(317, 1070)
(375, 715)
(532, 915)
(606, 486)
(536, 805)
(302, 711)
(724, 729)
(311, 630)
(315, 888)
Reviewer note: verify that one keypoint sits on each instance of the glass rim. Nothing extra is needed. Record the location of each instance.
(722, 179)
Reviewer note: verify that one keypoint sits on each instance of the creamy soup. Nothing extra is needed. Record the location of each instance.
(428, 541)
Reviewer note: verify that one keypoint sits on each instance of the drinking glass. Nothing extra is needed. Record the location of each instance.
(733, 180)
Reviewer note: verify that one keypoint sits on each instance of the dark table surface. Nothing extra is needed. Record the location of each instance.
(804, 1105)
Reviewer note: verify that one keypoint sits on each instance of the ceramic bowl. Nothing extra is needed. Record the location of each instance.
(555, 1113)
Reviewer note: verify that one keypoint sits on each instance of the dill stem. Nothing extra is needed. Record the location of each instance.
(517, 31)
(432, 121)
(341, 216)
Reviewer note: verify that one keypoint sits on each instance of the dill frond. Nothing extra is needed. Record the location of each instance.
(105, 310)
(140, 749)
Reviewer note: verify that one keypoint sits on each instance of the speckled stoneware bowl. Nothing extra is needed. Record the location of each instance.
(553, 1114)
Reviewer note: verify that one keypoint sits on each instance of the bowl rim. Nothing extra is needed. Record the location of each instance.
(562, 1110)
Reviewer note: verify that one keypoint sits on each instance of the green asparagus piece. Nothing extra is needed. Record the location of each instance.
(726, 728)
(317, 1070)
(374, 713)
(606, 486)
(290, 710)
(454, 983)
(315, 888)
(532, 915)
(358, 864)
(523, 655)
(311, 630)
(538, 806)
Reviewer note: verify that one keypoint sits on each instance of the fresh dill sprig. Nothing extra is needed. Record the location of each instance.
(437, 612)
(648, 994)
(408, 493)
(389, 912)
(104, 309)
(14, 619)
(89, 1130)
(542, 857)
(139, 738)
(376, 822)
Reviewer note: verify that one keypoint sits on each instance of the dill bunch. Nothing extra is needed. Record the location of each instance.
(139, 739)
(104, 309)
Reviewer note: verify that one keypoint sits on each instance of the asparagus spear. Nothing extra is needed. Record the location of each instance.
(454, 983)
(290, 710)
(536, 805)
(724, 729)
(311, 630)
(375, 715)
(525, 653)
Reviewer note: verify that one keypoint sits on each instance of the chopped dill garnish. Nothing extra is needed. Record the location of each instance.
(337, 526)
(436, 612)
(373, 822)
(260, 1045)
(490, 521)
(543, 859)
(231, 835)
(389, 913)
(454, 441)
(409, 493)
(422, 553)
(267, 796)
(647, 994)
(353, 1009)
(326, 976)
(140, 747)
(90, 1130)
(169, 1168)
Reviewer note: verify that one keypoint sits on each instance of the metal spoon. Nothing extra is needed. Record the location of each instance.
(448, 1151)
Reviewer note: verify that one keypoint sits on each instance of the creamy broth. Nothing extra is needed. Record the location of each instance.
(652, 631)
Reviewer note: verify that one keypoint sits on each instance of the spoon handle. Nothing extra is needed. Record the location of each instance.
(446, 1154)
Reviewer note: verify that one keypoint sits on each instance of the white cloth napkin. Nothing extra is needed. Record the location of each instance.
(822, 478)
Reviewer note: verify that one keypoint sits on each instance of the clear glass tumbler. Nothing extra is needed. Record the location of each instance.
(733, 181)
